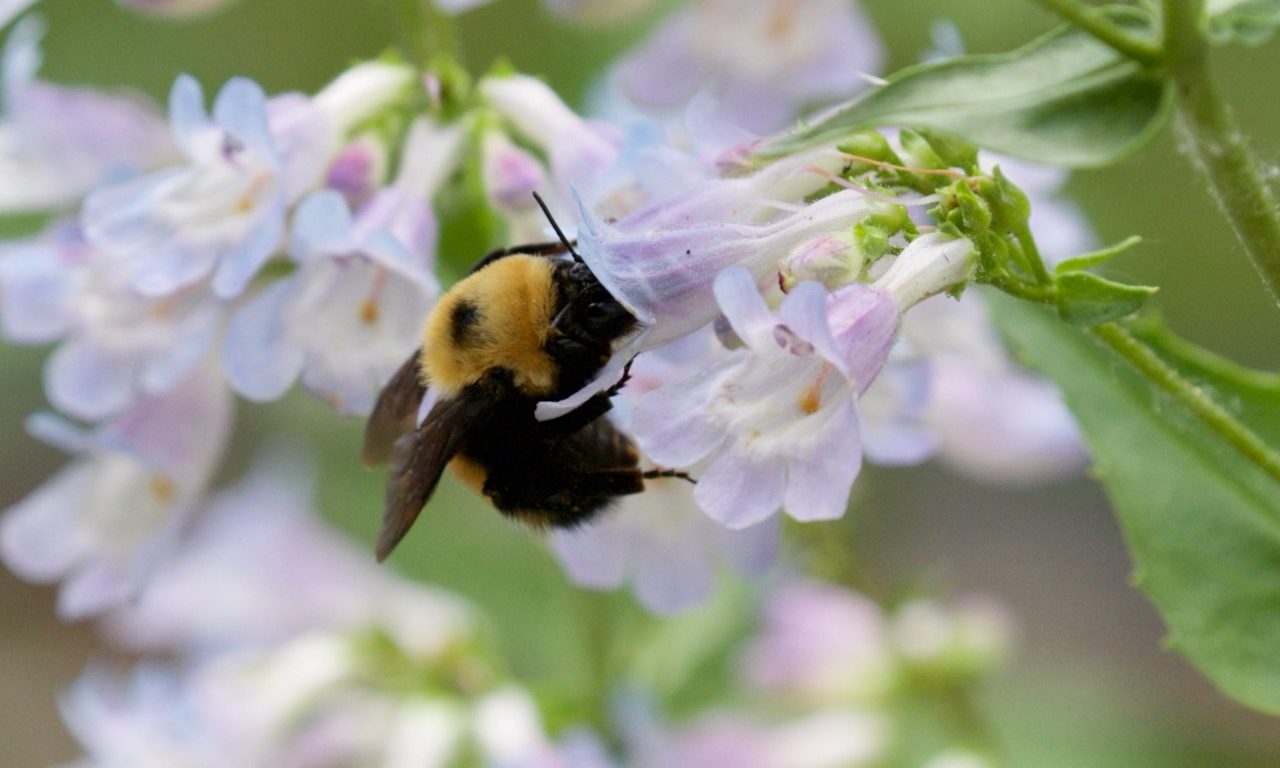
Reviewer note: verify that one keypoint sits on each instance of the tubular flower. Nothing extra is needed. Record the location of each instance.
(777, 420)
(102, 524)
(352, 312)
(764, 60)
(117, 346)
(221, 214)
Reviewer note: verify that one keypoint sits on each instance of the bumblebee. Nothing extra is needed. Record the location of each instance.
(526, 324)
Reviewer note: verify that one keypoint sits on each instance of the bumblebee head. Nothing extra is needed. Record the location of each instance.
(548, 321)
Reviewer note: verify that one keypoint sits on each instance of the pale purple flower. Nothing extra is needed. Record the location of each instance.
(830, 738)
(145, 720)
(658, 541)
(765, 60)
(662, 544)
(353, 310)
(358, 170)
(175, 8)
(579, 151)
(822, 645)
(995, 420)
(58, 142)
(117, 345)
(265, 567)
(103, 524)
(777, 420)
(222, 214)
(511, 176)
(664, 276)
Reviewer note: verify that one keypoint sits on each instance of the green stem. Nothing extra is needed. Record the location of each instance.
(1120, 40)
(1032, 253)
(426, 32)
(1040, 294)
(1217, 144)
(1212, 415)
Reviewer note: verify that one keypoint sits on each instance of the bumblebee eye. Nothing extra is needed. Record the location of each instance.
(598, 313)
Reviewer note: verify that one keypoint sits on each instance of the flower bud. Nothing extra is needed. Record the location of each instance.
(929, 265)
(832, 259)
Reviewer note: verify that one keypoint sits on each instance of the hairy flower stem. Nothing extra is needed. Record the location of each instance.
(1217, 145)
(1089, 20)
(1212, 415)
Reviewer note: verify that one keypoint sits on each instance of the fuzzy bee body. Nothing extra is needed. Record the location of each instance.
(527, 324)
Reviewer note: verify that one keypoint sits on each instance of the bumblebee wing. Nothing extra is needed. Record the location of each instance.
(395, 413)
(420, 457)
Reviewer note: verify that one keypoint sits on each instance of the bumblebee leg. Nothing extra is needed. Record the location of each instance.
(622, 382)
(650, 474)
(592, 409)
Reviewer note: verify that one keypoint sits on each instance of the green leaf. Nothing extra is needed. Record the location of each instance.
(1065, 99)
(1090, 260)
(1087, 299)
(1243, 21)
(1202, 523)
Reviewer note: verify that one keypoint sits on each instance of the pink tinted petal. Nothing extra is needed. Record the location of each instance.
(259, 356)
(675, 578)
(739, 491)
(864, 323)
(743, 306)
(804, 311)
(96, 587)
(818, 483)
(670, 423)
(664, 71)
(39, 537)
(592, 556)
(181, 433)
(90, 381)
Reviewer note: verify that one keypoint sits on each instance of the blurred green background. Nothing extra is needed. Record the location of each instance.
(1090, 685)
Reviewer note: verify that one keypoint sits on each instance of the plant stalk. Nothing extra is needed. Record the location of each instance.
(1217, 145)
(1212, 415)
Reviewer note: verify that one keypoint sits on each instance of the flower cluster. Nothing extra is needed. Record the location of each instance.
(274, 239)
(308, 654)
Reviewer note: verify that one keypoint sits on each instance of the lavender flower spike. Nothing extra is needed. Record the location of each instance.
(222, 213)
(664, 277)
(102, 524)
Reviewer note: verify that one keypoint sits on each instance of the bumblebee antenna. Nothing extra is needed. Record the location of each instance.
(547, 212)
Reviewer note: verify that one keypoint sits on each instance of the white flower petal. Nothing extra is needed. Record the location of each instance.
(39, 538)
(818, 482)
(90, 381)
(592, 555)
(260, 359)
(739, 491)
